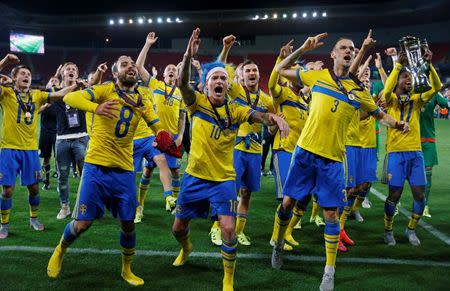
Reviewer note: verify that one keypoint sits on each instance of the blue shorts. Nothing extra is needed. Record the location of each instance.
(352, 159)
(313, 174)
(197, 195)
(406, 166)
(143, 148)
(367, 170)
(281, 162)
(25, 162)
(248, 170)
(172, 161)
(102, 186)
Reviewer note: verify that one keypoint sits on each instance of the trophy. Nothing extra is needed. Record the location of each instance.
(417, 66)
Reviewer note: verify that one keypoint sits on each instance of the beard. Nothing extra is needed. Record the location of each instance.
(129, 82)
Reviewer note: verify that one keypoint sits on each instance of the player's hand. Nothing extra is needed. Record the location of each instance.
(193, 44)
(228, 41)
(196, 64)
(402, 126)
(154, 72)
(102, 68)
(381, 103)
(402, 58)
(368, 41)
(82, 83)
(286, 49)
(313, 42)
(10, 59)
(58, 71)
(108, 109)
(281, 123)
(318, 65)
(151, 38)
(378, 62)
(392, 51)
(428, 55)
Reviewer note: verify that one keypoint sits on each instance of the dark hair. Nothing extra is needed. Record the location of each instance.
(115, 66)
(248, 62)
(342, 38)
(16, 69)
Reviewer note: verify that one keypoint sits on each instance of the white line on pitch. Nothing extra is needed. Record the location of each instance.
(428, 227)
(251, 256)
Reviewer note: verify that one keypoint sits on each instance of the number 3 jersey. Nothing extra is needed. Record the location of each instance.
(212, 145)
(111, 143)
(20, 131)
(330, 113)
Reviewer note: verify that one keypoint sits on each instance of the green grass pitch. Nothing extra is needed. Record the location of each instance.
(24, 270)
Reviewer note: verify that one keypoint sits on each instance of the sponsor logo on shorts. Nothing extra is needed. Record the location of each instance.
(389, 176)
(1, 175)
(83, 209)
(178, 209)
(345, 195)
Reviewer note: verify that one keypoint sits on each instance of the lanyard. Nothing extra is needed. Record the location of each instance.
(342, 88)
(249, 102)
(219, 120)
(25, 107)
(170, 93)
(122, 94)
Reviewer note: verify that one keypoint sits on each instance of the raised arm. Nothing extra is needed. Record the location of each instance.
(363, 68)
(434, 78)
(284, 67)
(381, 71)
(98, 75)
(442, 101)
(228, 42)
(367, 44)
(391, 81)
(9, 59)
(140, 62)
(186, 90)
(274, 87)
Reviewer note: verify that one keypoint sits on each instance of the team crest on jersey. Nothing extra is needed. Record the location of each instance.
(83, 209)
(351, 96)
(389, 176)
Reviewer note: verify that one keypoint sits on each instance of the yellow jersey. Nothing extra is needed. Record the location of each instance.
(353, 138)
(406, 108)
(211, 156)
(111, 143)
(250, 135)
(19, 131)
(368, 133)
(89, 122)
(168, 104)
(295, 110)
(330, 113)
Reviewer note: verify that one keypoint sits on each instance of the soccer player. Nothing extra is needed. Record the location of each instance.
(108, 178)
(317, 163)
(248, 149)
(170, 109)
(428, 140)
(405, 157)
(71, 139)
(291, 102)
(210, 177)
(19, 147)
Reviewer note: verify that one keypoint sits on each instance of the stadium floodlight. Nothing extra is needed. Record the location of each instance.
(275, 16)
(265, 16)
(121, 21)
(140, 20)
(111, 22)
(107, 40)
(130, 21)
(256, 17)
(305, 15)
(149, 20)
(178, 20)
(324, 14)
(159, 20)
(284, 15)
(294, 15)
(168, 20)
(314, 14)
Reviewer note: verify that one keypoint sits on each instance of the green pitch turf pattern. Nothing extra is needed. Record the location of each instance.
(27, 270)
(28, 45)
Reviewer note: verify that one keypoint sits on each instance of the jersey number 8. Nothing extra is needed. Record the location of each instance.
(124, 120)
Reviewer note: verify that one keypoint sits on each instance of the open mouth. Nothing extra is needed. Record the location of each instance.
(347, 57)
(171, 75)
(131, 73)
(218, 90)
(26, 81)
(71, 75)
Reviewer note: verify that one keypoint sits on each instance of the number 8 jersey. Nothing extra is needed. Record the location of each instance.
(111, 143)
(20, 131)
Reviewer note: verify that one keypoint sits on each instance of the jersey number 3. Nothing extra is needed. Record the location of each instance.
(126, 114)
(336, 104)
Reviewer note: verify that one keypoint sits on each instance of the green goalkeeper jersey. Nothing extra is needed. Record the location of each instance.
(427, 130)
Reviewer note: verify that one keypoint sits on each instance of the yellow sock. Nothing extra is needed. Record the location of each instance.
(241, 219)
(315, 209)
(143, 187)
(186, 248)
(55, 262)
(358, 201)
(331, 246)
(275, 228)
(345, 213)
(282, 219)
(127, 274)
(216, 224)
(5, 214)
(297, 215)
(413, 221)
(229, 251)
(388, 222)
